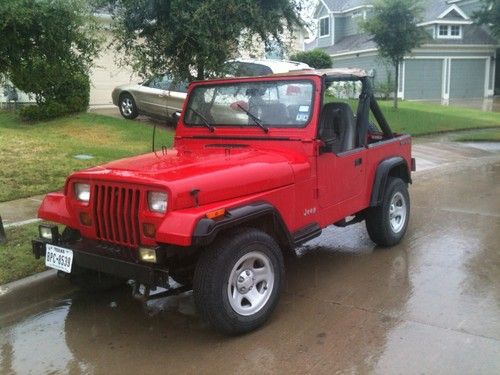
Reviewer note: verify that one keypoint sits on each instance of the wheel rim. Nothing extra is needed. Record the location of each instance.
(397, 212)
(127, 106)
(251, 283)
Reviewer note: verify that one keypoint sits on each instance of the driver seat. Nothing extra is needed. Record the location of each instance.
(337, 127)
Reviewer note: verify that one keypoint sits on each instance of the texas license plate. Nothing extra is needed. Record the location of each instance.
(59, 258)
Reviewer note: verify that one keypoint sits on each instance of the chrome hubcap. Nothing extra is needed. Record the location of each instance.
(251, 283)
(127, 106)
(397, 212)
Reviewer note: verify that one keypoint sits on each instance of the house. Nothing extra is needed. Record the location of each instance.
(457, 61)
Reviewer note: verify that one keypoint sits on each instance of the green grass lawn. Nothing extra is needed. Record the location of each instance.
(37, 158)
(16, 258)
(418, 118)
(490, 135)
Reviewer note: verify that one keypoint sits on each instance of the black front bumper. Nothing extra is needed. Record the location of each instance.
(108, 259)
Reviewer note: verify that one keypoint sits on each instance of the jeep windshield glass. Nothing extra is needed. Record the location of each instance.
(274, 103)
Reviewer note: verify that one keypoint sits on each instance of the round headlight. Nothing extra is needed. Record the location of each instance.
(82, 192)
(157, 201)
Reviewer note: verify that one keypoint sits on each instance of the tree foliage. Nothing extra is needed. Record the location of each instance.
(393, 24)
(489, 15)
(316, 58)
(47, 48)
(192, 39)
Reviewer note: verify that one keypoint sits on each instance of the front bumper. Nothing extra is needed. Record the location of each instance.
(108, 259)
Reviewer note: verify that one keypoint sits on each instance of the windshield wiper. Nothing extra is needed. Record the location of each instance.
(205, 121)
(257, 120)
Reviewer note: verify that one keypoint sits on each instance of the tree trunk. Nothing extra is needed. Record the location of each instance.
(396, 84)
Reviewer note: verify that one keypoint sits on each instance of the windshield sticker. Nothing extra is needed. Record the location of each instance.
(304, 108)
(301, 117)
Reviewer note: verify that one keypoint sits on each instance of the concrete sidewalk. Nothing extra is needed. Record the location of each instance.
(20, 211)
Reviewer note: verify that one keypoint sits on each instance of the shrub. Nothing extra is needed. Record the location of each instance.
(316, 58)
(44, 111)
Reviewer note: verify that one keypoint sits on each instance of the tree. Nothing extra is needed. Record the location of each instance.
(316, 58)
(393, 24)
(489, 15)
(47, 48)
(192, 39)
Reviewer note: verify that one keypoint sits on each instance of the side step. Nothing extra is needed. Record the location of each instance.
(306, 234)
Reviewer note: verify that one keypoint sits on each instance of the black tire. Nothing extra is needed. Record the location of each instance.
(211, 284)
(378, 221)
(93, 281)
(127, 106)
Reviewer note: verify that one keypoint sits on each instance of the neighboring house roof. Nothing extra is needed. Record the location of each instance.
(359, 42)
(343, 5)
(473, 34)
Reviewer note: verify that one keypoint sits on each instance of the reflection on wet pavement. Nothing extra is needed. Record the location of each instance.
(428, 305)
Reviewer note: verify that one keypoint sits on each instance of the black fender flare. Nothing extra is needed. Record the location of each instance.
(383, 171)
(207, 229)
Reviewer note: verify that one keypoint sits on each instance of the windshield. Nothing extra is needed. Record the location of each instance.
(268, 103)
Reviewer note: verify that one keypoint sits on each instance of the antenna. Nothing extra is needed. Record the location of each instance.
(154, 134)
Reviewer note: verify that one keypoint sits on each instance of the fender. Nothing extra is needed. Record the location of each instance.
(206, 229)
(383, 171)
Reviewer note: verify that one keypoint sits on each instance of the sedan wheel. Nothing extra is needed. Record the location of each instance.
(127, 106)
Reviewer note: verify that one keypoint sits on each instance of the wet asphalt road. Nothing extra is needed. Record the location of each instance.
(430, 305)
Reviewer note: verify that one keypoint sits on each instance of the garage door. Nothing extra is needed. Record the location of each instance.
(423, 78)
(467, 78)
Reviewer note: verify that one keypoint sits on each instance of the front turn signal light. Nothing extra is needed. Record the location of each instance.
(149, 230)
(85, 219)
(216, 213)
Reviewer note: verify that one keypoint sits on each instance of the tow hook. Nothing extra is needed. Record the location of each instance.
(142, 292)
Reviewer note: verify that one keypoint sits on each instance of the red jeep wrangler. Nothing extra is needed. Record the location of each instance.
(259, 166)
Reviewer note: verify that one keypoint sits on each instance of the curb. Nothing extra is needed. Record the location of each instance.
(20, 295)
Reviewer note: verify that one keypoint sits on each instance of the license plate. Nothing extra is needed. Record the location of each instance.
(59, 258)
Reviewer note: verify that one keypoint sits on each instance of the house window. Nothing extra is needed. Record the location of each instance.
(450, 31)
(443, 30)
(455, 30)
(324, 26)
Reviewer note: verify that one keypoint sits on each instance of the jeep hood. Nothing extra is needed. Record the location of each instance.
(218, 173)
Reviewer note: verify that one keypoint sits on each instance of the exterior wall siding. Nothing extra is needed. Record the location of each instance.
(352, 25)
(373, 62)
(339, 28)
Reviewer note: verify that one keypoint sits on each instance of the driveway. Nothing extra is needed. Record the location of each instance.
(429, 305)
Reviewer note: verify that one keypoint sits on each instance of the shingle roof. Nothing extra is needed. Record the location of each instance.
(342, 5)
(432, 8)
(472, 34)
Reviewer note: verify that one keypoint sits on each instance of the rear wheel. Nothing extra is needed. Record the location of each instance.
(128, 108)
(387, 223)
(238, 280)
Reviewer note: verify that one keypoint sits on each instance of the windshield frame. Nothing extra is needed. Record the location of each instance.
(208, 85)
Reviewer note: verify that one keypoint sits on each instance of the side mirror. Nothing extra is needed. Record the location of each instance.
(176, 116)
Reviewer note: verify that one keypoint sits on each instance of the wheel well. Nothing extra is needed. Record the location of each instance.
(392, 167)
(269, 224)
(125, 93)
(400, 171)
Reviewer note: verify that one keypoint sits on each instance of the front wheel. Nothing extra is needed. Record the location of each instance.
(387, 223)
(128, 108)
(238, 280)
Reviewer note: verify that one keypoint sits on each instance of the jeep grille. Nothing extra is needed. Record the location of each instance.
(116, 214)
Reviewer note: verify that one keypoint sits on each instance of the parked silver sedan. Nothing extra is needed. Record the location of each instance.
(161, 97)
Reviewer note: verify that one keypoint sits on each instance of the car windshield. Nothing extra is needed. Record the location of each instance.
(272, 103)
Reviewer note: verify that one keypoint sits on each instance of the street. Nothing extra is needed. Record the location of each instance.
(430, 305)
